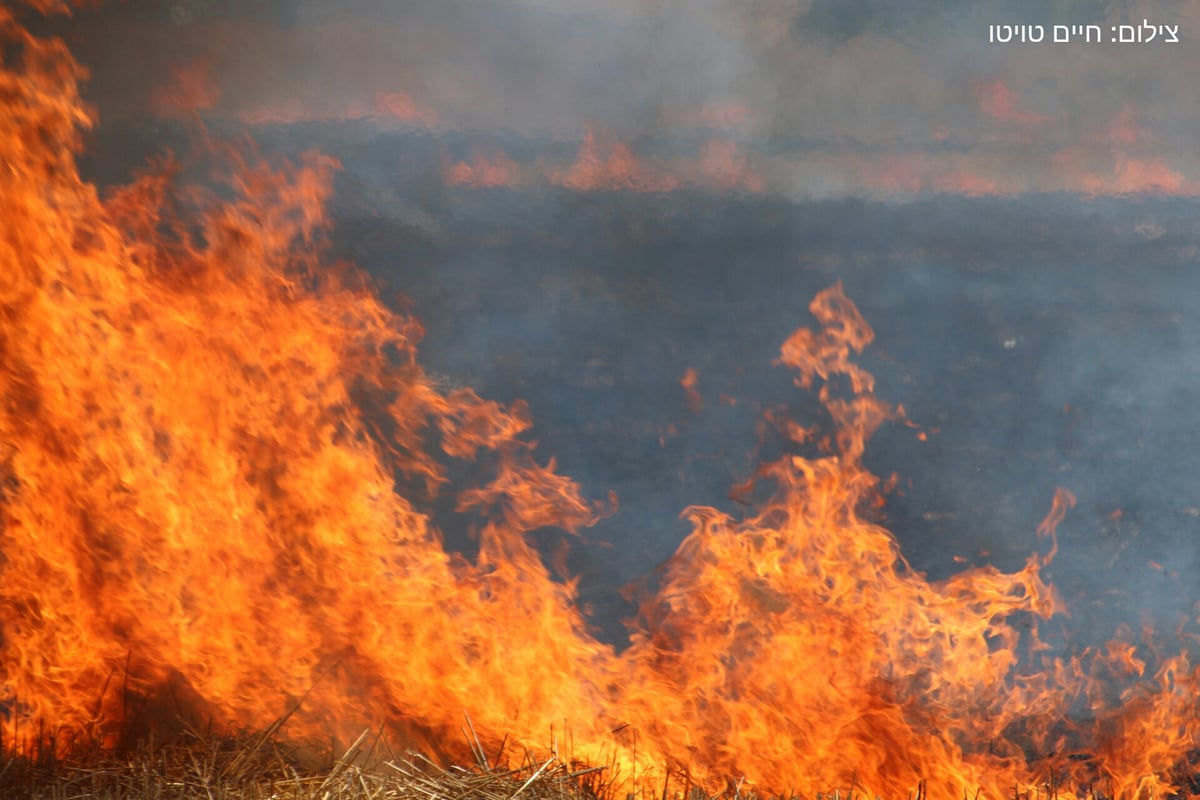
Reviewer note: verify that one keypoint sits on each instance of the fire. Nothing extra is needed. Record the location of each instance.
(483, 171)
(606, 166)
(219, 459)
(689, 381)
(192, 479)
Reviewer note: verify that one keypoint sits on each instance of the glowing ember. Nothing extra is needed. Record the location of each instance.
(218, 454)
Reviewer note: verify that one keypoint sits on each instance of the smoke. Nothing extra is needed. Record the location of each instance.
(824, 99)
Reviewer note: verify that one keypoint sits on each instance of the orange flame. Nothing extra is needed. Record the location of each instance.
(612, 167)
(689, 381)
(402, 106)
(484, 171)
(219, 455)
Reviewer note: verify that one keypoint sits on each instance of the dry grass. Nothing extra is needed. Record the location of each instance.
(261, 768)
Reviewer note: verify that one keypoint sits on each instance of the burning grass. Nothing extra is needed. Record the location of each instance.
(198, 766)
(263, 766)
(219, 463)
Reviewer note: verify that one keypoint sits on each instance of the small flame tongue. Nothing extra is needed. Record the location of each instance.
(201, 439)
